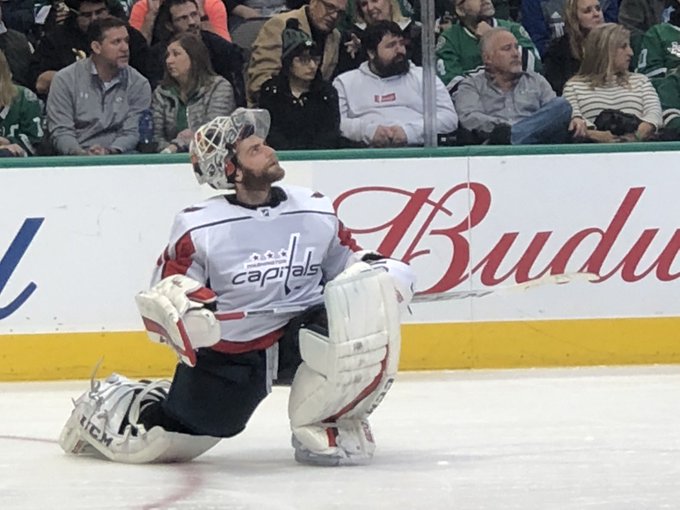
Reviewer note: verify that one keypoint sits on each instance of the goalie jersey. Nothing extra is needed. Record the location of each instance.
(279, 254)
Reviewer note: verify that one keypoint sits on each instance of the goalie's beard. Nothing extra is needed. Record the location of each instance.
(251, 181)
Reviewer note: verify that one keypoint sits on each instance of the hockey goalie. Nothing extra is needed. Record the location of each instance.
(259, 285)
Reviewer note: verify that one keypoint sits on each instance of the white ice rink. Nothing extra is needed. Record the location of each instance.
(592, 438)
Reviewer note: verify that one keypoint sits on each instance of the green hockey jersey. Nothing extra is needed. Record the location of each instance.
(20, 122)
(458, 53)
(660, 51)
(668, 89)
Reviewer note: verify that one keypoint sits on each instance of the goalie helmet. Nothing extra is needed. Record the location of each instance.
(214, 145)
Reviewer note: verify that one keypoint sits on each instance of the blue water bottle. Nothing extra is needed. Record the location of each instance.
(146, 132)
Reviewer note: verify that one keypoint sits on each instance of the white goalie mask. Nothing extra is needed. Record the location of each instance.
(214, 145)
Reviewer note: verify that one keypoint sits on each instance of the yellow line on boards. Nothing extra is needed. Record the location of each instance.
(509, 344)
(41, 357)
(520, 344)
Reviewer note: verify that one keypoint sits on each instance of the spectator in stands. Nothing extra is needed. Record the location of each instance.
(660, 49)
(240, 10)
(442, 8)
(212, 17)
(659, 60)
(458, 52)
(67, 43)
(604, 86)
(668, 89)
(638, 16)
(505, 9)
(18, 15)
(55, 12)
(20, 116)
(368, 12)
(17, 51)
(94, 104)
(303, 107)
(544, 19)
(563, 57)
(190, 95)
(501, 104)
(226, 58)
(381, 103)
(318, 20)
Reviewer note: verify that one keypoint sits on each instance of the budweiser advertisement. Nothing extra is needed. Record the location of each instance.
(82, 242)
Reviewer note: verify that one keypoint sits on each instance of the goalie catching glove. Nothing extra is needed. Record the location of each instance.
(174, 312)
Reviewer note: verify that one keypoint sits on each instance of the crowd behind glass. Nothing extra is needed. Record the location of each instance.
(92, 77)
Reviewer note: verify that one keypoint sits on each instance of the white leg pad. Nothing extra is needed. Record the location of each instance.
(344, 376)
(96, 426)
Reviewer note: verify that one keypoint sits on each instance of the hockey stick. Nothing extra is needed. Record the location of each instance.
(242, 314)
(551, 279)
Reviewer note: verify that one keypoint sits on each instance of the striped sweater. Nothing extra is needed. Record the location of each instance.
(638, 98)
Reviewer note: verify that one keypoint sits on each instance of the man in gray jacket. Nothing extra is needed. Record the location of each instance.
(502, 104)
(94, 104)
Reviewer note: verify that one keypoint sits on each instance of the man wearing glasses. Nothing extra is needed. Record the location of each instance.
(318, 20)
(67, 42)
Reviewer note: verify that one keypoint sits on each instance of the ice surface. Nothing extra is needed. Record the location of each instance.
(595, 438)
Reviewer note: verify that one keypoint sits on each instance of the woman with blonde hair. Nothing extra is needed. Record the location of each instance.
(368, 12)
(190, 94)
(563, 57)
(609, 103)
(20, 120)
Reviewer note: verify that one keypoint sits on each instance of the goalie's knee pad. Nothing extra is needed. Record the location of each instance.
(104, 423)
(345, 375)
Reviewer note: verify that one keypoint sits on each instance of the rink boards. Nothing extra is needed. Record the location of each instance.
(77, 242)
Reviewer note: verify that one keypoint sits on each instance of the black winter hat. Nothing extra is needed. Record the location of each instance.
(294, 38)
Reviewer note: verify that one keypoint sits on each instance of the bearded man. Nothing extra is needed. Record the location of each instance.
(381, 102)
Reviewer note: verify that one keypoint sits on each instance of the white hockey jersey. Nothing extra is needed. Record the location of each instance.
(275, 255)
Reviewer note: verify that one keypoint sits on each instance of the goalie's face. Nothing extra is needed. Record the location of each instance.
(257, 167)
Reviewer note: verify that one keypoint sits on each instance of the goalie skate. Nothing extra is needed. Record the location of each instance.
(350, 444)
(107, 410)
(105, 422)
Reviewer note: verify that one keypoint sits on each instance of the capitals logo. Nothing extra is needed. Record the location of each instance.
(278, 266)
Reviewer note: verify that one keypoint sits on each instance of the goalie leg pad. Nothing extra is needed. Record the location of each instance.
(104, 424)
(345, 375)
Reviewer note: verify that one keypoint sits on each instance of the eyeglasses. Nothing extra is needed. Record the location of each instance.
(331, 10)
(91, 14)
(305, 60)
